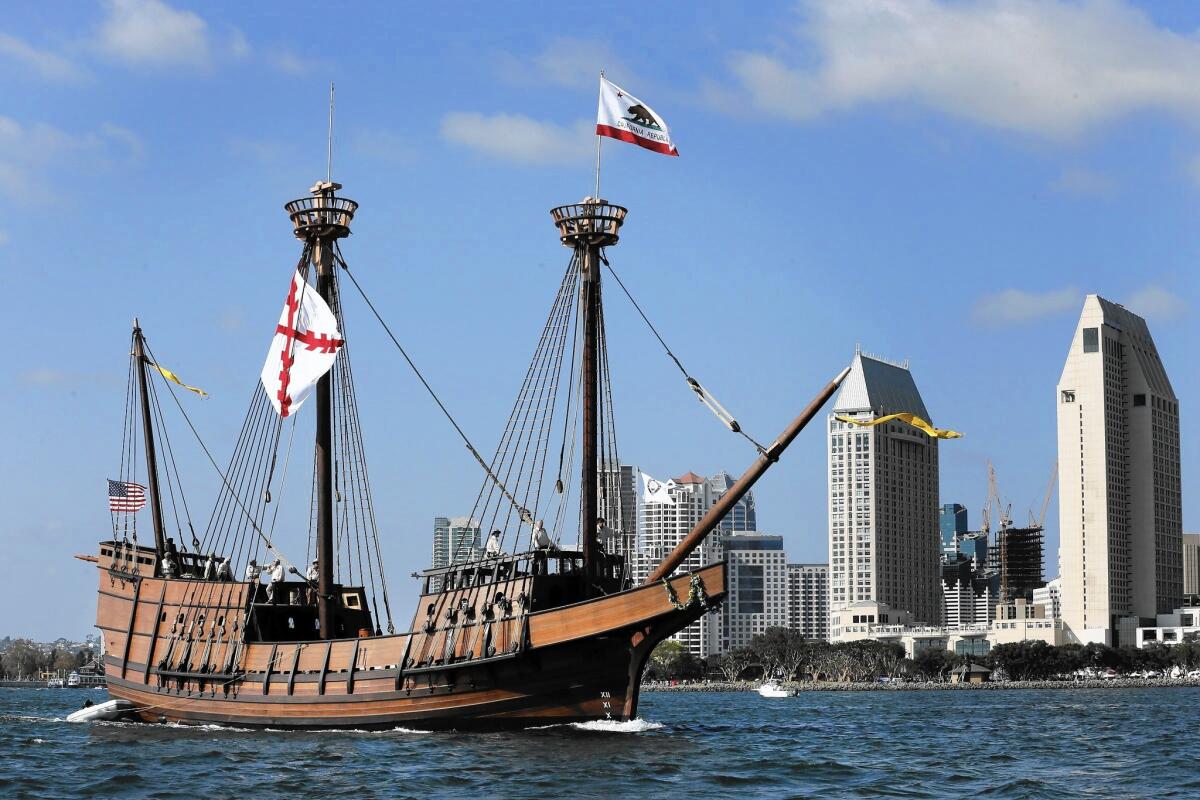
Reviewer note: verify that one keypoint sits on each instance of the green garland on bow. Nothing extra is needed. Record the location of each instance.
(697, 595)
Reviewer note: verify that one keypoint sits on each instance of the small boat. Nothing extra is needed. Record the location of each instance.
(55, 683)
(773, 689)
(110, 710)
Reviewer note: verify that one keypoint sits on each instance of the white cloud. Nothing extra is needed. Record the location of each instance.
(30, 154)
(284, 60)
(1156, 302)
(1043, 67)
(514, 137)
(567, 62)
(238, 46)
(1016, 305)
(152, 32)
(47, 64)
(1084, 182)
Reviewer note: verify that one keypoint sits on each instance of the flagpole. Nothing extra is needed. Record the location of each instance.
(329, 148)
(598, 140)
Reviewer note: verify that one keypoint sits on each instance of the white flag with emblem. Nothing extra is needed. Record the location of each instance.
(622, 116)
(306, 343)
(657, 491)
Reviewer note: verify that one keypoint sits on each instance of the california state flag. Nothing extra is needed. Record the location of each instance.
(622, 116)
(305, 344)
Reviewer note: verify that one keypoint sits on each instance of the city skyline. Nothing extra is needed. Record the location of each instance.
(804, 215)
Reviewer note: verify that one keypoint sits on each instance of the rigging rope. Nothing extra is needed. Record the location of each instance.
(266, 539)
(483, 464)
(703, 394)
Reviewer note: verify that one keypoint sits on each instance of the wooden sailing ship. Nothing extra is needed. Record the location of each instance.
(515, 636)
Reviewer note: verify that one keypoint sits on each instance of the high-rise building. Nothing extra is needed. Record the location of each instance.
(455, 539)
(1191, 563)
(743, 516)
(663, 526)
(758, 594)
(1049, 597)
(958, 595)
(974, 545)
(883, 496)
(618, 505)
(808, 600)
(1119, 495)
(952, 522)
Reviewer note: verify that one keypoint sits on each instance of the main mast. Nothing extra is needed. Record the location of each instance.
(320, 221)
(587, 227)
(156, 514)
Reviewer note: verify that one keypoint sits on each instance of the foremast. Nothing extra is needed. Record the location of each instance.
(587, 227)
(156, 513)
(320, 221)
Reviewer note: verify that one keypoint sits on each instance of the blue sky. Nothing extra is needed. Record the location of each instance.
(938, 182)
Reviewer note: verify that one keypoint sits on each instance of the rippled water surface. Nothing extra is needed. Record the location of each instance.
(1028, 743)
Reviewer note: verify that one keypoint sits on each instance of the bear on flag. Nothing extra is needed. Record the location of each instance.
(622, 116)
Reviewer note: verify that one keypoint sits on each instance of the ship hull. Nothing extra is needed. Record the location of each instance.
(576, 663)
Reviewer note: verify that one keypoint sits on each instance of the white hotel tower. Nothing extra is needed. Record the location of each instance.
(664, 525)
(1119, 498)
(884, 543)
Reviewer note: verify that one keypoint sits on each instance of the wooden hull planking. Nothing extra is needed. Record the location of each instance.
(174, 650)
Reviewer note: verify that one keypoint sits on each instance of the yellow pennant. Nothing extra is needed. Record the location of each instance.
(173, 378)
(911, 419)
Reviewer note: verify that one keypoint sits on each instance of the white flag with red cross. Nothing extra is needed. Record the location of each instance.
(306, 342)
(622, 116)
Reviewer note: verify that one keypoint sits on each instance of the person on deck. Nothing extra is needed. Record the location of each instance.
(253, 571)
(168, 565)
(224, 571)
(539, 537)
(274, 587)
(312, 576)
(493, 544)
(604, 535)
(210, 568)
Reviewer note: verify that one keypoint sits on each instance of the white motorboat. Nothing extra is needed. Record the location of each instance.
(110, 710)
(773, 689)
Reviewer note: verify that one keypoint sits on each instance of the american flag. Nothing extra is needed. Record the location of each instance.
(125, 496)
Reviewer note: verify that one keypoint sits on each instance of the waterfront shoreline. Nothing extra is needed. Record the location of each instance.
(833, 686)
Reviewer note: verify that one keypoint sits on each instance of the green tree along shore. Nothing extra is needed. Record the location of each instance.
(24, 659)
(785, 654)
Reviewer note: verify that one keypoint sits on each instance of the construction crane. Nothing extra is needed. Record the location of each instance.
(994, 494)
(1040, 521)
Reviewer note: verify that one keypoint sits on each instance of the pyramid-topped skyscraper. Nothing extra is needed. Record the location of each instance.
(883, 495)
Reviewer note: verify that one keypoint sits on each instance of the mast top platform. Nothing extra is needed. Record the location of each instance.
(591, 221)
(324, 215)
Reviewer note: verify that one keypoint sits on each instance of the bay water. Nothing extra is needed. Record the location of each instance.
(1055, 743)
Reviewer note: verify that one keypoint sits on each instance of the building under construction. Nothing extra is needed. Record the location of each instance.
(1017, 559)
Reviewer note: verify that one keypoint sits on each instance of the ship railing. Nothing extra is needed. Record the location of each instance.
(321, 212)
(507, 566)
